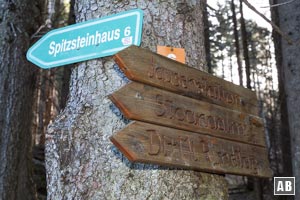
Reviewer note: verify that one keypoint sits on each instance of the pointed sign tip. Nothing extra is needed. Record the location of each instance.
(130, 156)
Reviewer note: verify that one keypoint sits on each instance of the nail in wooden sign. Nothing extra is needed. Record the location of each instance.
(149, 104)
(144, 66)
(148, 143)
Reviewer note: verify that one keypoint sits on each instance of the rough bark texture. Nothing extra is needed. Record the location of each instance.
(289, 21)
(17, 79)
(81, 162)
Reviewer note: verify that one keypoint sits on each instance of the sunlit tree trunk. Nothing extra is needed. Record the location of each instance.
(81, 162)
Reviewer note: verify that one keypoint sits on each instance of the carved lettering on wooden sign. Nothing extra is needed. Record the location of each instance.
(145, 103)
(150, 68)
(148, 143)
(194, 120)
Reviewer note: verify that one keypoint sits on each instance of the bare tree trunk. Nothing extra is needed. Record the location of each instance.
(255, 181)
(284, 137)
(81, 162)
(237, 45)
(18, 21)
(223, 65)
(206, 38)
(64, 92)
(245, 47)
(289, 73)
(230, 68)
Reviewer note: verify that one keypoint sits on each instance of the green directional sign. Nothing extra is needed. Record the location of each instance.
(88, 40)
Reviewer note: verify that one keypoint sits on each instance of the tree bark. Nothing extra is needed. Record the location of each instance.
(289, 16)
(81, 162)
(18, 21)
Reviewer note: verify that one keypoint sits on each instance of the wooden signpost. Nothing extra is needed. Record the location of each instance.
(188, 118)
(146, 103)
(144, 66)
(148, 143)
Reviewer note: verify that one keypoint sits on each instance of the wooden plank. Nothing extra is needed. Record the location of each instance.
(144, 66)
(149, 104)
(148, 143)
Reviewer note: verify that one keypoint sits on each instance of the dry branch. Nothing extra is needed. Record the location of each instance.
(275, 27)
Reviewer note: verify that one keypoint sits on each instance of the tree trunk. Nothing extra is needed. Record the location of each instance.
(253, 182)
(236, 42)
(18, 21)
(245, 47)
(289, 16)
(206, 38)
(64, 92)
(81, 162)
(284, 137)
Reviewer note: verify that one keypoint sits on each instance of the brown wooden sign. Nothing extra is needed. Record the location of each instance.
(144, 66)
(145, 103)
(148, 143)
